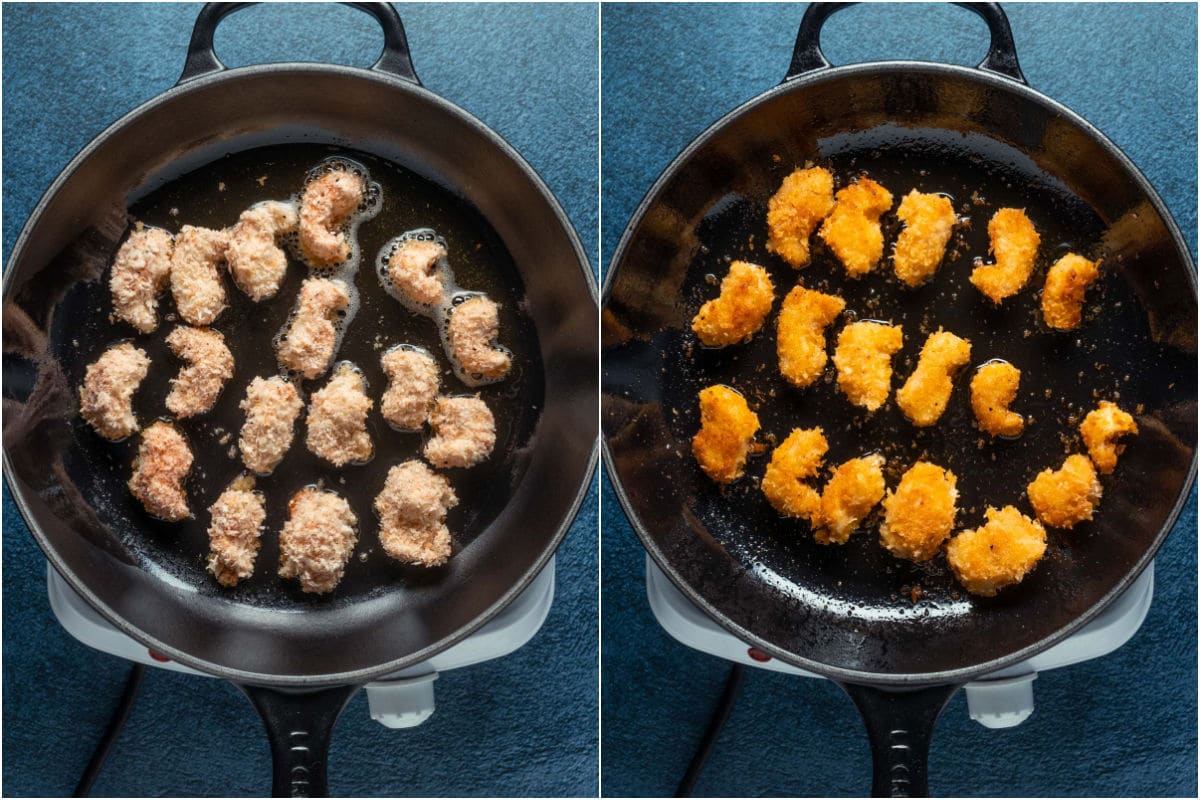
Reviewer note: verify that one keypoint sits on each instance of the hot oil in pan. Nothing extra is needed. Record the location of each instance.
(214, 196)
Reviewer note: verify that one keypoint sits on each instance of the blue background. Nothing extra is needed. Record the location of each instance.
(523, 725)
(1123, 725)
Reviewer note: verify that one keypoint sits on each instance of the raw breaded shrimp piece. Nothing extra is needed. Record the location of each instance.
(413, 383)
(233, 533)
(727, 427)
(794, 462)
(317, 540)
(1014, 244)
(464, 432)
(804, 199)
(140, 272)
(993, 388)
(924, 396)
(852, 229)
(413, 268)
(255, 259)
(863, 358)
(919, 514)
(740, 310)
(163, 462)
(856, 487)
(412, 510)
(997, 554)
(196, 275)
(801, 342)
(473, 327)
(106, 396)
(307, 348)
(337, 419)
(1101, 429)
(928, 222)
(1068, 495)
(1066, 284)
(271, 407)
(209, 365)
(325, 207)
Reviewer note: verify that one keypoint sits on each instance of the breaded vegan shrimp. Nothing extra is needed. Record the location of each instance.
(140, 272)
(864, 361)
(234, 532)
(1014, 243)
(919, 513)
(924, 396)
(856, 487)
(196, 276)
(163, 462)
(472, 330)
(106, 396)
(464, 432)
(1101, 428)
(271, 407)
(255, 259)
(727, 427)
(307, 347)
(412, 510)
(997, 554)
(852, 229)
(325, 207)
(804, 199)
(928, 222)
(413, 268)
(413, 383)
(993, 388)
(337, 419)
(1066, 496)
(317, 540)
(740, 310)
(1066, 284)
(796, 461)
(801, 341)
(209, 365)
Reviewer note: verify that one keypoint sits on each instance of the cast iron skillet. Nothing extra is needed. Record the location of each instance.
(298, 658)
(849, 612)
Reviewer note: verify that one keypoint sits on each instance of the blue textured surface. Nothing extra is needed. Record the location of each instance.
(1124, 725)
(523, 725)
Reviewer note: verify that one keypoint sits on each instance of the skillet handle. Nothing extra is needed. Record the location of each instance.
(202, 59)
(1001, 57)
(299, 725)
(900, 727)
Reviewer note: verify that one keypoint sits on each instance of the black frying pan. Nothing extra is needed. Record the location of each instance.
(299, 658)
(848, 612)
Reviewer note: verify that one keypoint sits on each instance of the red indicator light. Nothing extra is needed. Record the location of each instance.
(758, 655)
(158, 656)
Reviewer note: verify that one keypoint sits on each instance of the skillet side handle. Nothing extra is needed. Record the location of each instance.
(900, 728)
(299, 726)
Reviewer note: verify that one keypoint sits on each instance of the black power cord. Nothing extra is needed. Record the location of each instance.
(728, 697)
(115, 724)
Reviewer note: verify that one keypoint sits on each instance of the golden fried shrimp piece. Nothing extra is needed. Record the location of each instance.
(1100, 429)
(195, 274)
(464, 432)
(413, 268)
(325, 207)
(928, 222)
(413, 382)
(1014, 243)
(472, 330)
(852, 229)
(998, 553)
(307, 347)
(863, 358)
(1066, 496)
(727, 426)
(795, 461)
(801, 343)
(255, 259)
(271, 407)
(412, 510)
(856, 487)
(337, 419)
(919, 514)
(804, 199)
(106, 396)
(741, 308)
(993, 387)
(317, 540)
(924, 395)
(140, 272)
(1066, 283)
(163, 462)
(233, 534)
(209, 365)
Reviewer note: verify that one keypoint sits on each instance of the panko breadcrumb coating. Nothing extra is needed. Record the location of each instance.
(307, 347)
(993, 387)
(741, 308)
(106, 396)
(412, 510)
(856, 487)
(727, 427)
(998, 553)
(1066, 496)
(337, 419)
(413, 268)
(196, 276)
(801, 342)
(140, 272)
(852, 229)
(464, 432)
(233, 534)
(1066, 284)
(1101, 428)
(271, 407)
(413, 383)
(472, 330)
(163, 462)
(209, 365)
(924, 396)
(919, 514)
(255, 259)
(325, 207)
(1014, 244)
(928, 222)
(317, 540)
(864, 361)
(804, 199)
(795, 461)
